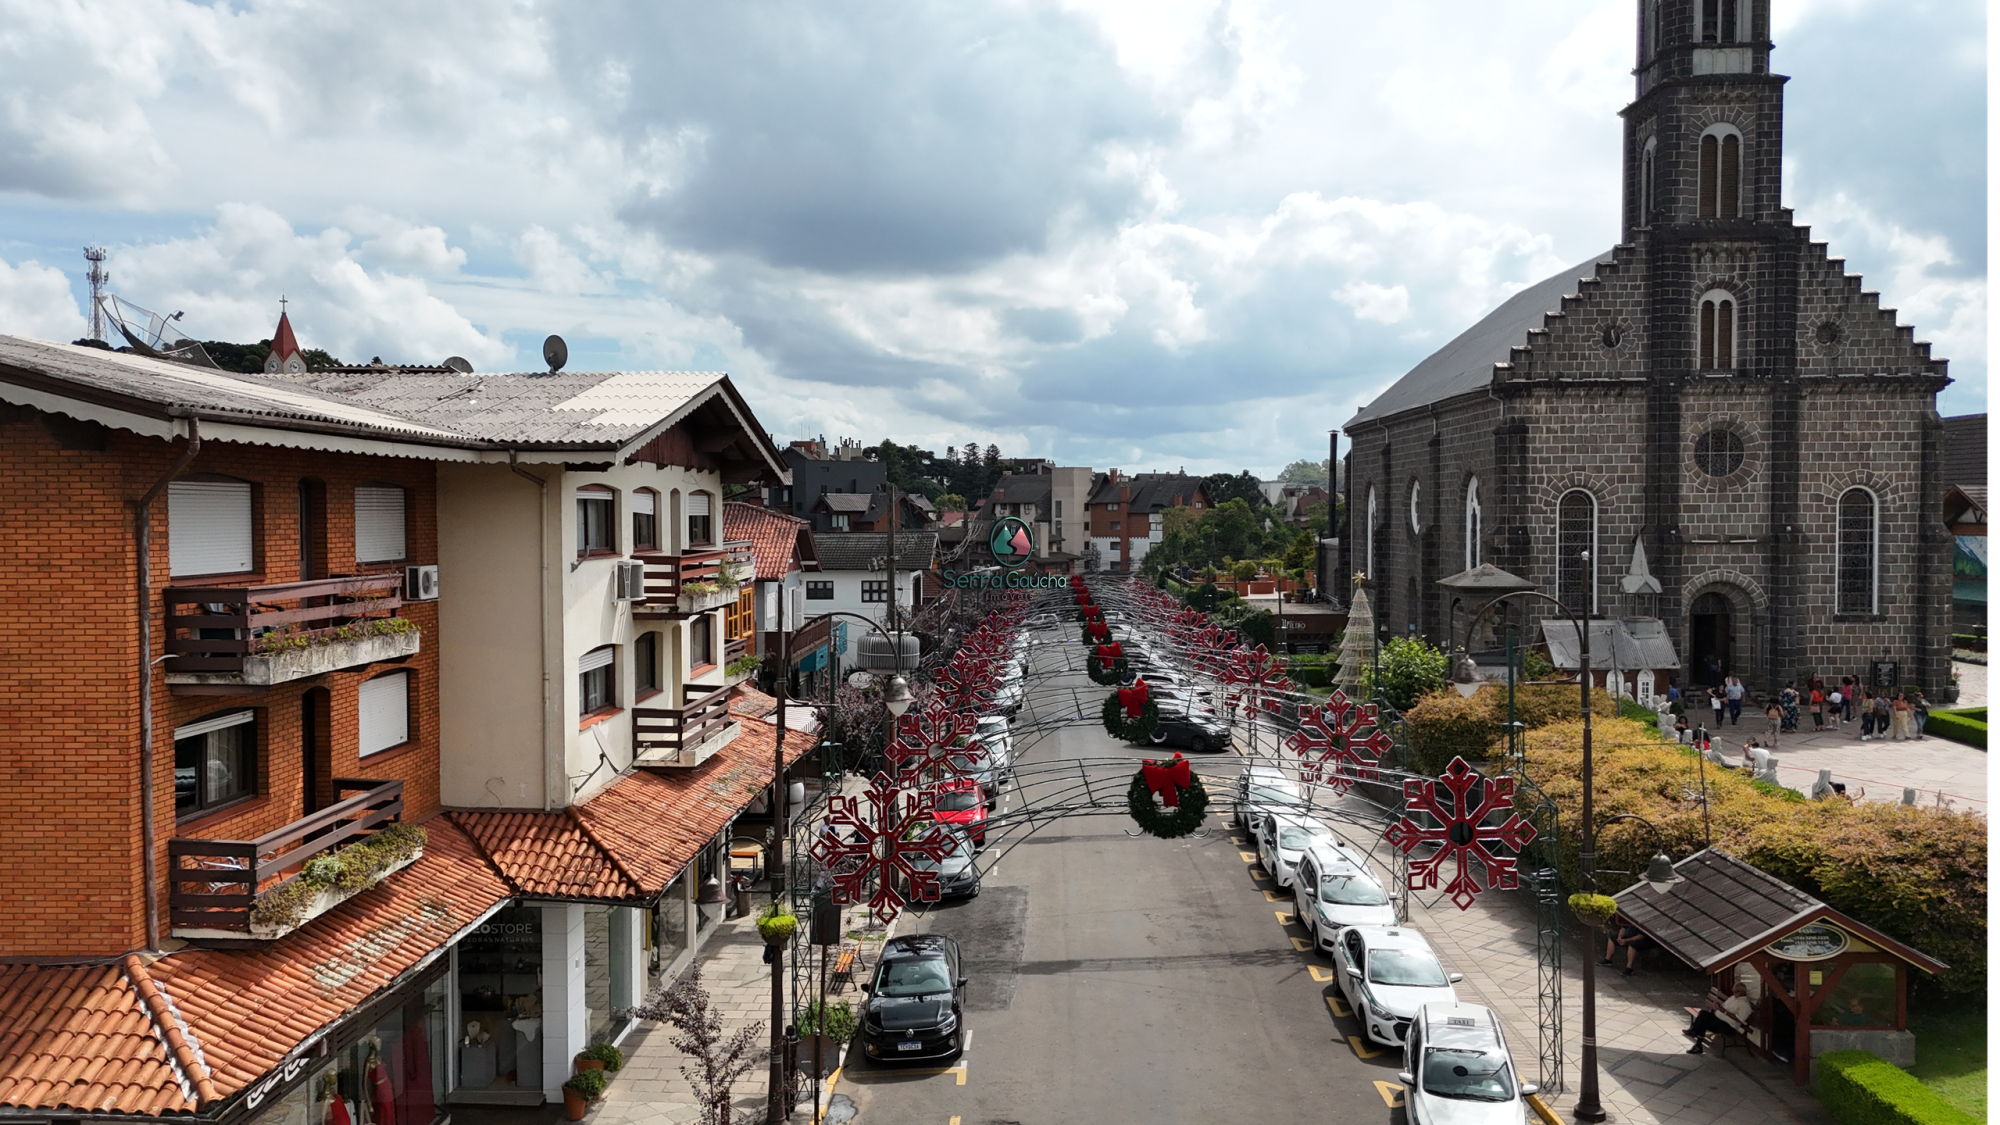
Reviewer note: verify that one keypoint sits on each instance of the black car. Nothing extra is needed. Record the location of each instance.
(1197, 732)
(913, 1001)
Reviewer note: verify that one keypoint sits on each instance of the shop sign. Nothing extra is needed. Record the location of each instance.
(1810, 943)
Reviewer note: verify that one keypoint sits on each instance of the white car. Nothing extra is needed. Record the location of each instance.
(1264, 789)
(1283, 839)
(996, 734)
(1044, 621)
(1388, 973)
(1336, 888)
(1457, 1070)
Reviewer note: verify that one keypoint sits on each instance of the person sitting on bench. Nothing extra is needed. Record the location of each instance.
(1734, 1016)
(1630, 938)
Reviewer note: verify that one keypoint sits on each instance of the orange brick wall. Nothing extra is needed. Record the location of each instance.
(69, 808)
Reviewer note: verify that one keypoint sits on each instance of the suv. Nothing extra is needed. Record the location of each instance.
(914, 1000)
(1457, 1070)
(1336, 890)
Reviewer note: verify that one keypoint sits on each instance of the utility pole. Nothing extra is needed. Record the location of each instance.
(99, 278)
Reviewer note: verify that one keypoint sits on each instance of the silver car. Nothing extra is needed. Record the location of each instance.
(1457, 1070)
(1263, 789)
(1284, 838)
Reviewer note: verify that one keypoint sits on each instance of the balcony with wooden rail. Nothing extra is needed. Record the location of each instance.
(725, 566)
(685, 736)
(214, 886)
(233, 640)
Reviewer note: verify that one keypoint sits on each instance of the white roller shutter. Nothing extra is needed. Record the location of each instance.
(641, 500)
(378, 524)
(596, 658)
(697, 503)
(208, 527)
(385, 712)
(233, 719)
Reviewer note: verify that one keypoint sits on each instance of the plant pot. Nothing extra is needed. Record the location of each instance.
(829, 1054)
(1951, 693)
(589, 1064)
(574, 1104)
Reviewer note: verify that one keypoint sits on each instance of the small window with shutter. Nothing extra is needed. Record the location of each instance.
(645, 524)
(379, 524)
(385, 712)
(209, 527)
(700, 523)
(597, 683)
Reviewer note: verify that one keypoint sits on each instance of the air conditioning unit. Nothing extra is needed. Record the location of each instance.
(420, 583)
(629, 585)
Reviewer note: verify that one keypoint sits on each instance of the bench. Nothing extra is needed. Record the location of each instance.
(843, 966)
(1721, 1040)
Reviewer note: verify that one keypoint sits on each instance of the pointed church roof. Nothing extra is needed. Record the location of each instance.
(284, 345)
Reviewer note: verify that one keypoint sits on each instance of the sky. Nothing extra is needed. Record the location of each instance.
(1150, 234)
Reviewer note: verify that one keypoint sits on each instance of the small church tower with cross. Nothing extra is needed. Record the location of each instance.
(285, 357)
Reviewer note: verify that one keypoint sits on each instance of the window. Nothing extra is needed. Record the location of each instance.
(740, 620)
(700, 522)
(1114, 525)
(1416, 506)
(1718, 21)
(378, 524)
(839, 521)
(1371, 533)
(1719, 181)
(1644, 692)
(1111, 507)
(385, 712)
(819, 591)
(215, 762)
(701, 641)
(1718, 453)
(645, 664)
(594, 522)
(875, 590)
(1856, 581)
(1472, 523)
(597, 679)
(1718, 331)
(1649, 41)
(209, 527)
(1646, 198)
(1576, 551)
(645, 520)
(1058, 511)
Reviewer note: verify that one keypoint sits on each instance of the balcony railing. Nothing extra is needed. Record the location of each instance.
(214, 884)
(733, 648)
(685, 735)
(216, 629)
(667, 576)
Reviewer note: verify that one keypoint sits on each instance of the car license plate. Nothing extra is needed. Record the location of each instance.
(910, 1046)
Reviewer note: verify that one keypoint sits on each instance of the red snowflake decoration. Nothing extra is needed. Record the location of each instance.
(877, 845)
(1257, 674)
(967, 682)
(1330, 753)
(1462, 833)
(934, 743)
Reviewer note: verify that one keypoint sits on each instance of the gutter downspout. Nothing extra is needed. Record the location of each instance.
(542, 593)
(142, 531)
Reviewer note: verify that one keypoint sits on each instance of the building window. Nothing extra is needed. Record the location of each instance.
(1719, 182)
(597, 680)
(379, 524)
(209, 527)
(1058, 511)
(1858, 525)
(645, 665)
(1718, 21)
(1370, 570)
(1114, 525)
(645, 520)
(1416, 507)
(839, 520)
(1472, 523)
(1576, 551)
(1718, 331)
(1646, 198)
(701, 525)
(740, 620)
(875, 590)
(1649, 43)
(215, 762)
(701, 642)
(1111, 507)
(819, 591)
(385, 712)
(595, 524)
(1719, 452)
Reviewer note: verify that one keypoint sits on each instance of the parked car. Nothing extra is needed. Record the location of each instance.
(1194, 730)
(915, 1000)
(1387, 974)
(1262, 789)
(1047, 621)
(962, 804)
(1282, 838)
(1337, 888)
(1008, 699)
(1457, 1069)
(996, 734)
(958, 875)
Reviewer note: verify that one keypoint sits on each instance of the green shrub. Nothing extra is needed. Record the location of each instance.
(589, 1083)
(1446, 725)
(1968, 726)
(1411, 668)
(1860, 1089)
(838, 1023)
(355, 867)
(610, 1056)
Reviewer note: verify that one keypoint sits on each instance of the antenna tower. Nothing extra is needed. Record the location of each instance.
(98, 277)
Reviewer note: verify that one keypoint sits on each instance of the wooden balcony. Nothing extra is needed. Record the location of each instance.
(215, 885)
(668, 576)
(251, 637)
(684, 736)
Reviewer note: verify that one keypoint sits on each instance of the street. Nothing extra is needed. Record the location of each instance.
(1118, 979)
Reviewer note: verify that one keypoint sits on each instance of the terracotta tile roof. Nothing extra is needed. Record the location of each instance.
(773, 536)
(548, 855)
(80, 1039)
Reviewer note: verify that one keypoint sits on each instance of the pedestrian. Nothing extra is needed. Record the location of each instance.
(1920, 713)
(1883, 710)
(1774, 715)
(1899, 718)
(1715, 704)
(1732, 688)
(1817, 702)
(1866, 705)
(1834, 699)
(1848, 690)
(1788, 703)
(1673, 695)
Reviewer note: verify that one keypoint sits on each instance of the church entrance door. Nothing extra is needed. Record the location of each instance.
(1711, 636)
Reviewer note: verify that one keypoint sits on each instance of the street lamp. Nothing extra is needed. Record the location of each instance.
(1465, 675)
(1660, 873)
(897, 697)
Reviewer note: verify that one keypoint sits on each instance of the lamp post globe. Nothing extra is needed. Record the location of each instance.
(897, 697)
(1465, 675)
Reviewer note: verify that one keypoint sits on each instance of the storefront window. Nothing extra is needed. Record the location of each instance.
(392, 1075)
(670, 925)
(1865, 996)
(500, 1003)
(607, 960)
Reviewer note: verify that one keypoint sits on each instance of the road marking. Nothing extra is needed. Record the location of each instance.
(1274, 896)
(1285, 919)
(1240, 841)
(1361, 1047)
(954, 1117)
(1325, 976)
(1542, 1110)
(1392, 1095)
(1251, 857)
(1339, 1006)
(1303, 945)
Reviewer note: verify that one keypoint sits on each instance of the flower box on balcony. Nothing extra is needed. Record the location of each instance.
(317, 904)
(700, 597)
(246, 637)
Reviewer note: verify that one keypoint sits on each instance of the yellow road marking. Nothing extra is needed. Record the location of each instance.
(1392, 1095)
(1302, 945)
(1251, 857)
(1542, 1110)
(1338, 1005)
(954, 1117)
(1325, 976)
(1286, 918)
(832, 1080)
(1275, 896)
(1361, 1047)
(1240, 841)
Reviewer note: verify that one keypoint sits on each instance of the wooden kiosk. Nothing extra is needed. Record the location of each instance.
(1821, 980)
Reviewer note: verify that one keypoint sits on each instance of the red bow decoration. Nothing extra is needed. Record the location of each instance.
(1134, 698)
(1098, 630)
(1083, 597)
(1167, 779)
(1091, 612)
(1110, 652)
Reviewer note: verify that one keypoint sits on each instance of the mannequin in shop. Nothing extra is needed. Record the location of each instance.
(381, 1091)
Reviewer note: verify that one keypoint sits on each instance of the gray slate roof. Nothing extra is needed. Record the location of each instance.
(855, 550)
(845, 501)
(1642, 642)
(570, 408)
(1466, 364)
(1964, 450)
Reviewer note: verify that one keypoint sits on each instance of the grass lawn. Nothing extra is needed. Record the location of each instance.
(1951, 1052)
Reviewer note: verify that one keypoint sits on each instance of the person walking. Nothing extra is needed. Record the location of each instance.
(1715, 705)
(1834, 699)
(1816, 703)
(1899, 718)
(1732, 689)
(1775, 717)
(1848, 690)
(1920, 713)
(1788, 702)
(1866, 705)
(1882, 711)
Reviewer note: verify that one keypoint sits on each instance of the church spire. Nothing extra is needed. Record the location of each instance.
(285, 357)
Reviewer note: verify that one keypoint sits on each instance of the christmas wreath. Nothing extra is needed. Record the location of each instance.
(1130, 713)
(1088, 613)
(1107, 665)
(1096, 632)
(1181, 802)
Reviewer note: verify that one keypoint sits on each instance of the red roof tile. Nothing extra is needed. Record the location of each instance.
(80, 1039)
(549, 855)
(773, 536)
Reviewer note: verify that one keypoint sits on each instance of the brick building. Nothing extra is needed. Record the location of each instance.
(1714, 387)
(1123, 514)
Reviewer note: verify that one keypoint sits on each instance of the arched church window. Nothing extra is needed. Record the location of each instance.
(1472, 514)
(1372, 521)
(1647, 198)
(1858, 518)
(1719, 452)
(1416, 507)
(1649, 31)
(1719, 182)
(1717, 344)
(1576, 551)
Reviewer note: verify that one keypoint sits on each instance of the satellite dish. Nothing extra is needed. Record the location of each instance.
(459, 364)
(555, 353)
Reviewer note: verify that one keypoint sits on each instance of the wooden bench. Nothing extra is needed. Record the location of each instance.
(843, 966)
(1721, 1040)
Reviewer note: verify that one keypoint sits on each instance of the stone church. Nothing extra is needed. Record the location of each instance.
(1713, 402)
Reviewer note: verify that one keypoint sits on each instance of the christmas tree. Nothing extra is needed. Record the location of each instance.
(1357, 646)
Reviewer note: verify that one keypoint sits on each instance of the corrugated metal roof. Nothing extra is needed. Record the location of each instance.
(583, 408)
(1641, 642)
(855, 550)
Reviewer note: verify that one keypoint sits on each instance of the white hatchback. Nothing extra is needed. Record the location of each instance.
(1284, 838)
(1387, 974)
(1336, 888)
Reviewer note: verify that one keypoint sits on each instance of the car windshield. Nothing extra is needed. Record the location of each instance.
(961, 800)
(912, 977)
(1260, 794)
(1294, 839)
(1352, 890)
(1456, 1072)
(1415, 968)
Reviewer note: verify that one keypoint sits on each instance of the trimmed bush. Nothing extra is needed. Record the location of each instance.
(1859, 1088)
(1968, 726)
(1445, 725)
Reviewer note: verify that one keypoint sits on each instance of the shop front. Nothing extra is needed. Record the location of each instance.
(387, 1067)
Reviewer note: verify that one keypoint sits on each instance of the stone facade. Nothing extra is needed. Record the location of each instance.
(1726, 450)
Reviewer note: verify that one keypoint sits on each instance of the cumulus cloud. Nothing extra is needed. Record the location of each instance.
(35, 300)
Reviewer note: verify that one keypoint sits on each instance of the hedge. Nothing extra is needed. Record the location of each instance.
(1967, 726)
(1445, 725)
(1860, 1089)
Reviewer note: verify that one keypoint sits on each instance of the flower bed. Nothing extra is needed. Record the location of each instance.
(328, 880)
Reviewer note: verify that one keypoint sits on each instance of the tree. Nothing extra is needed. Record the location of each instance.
(1305, 472)
(1411, 667)
(717, 1062)
(249, 358)
(1316, 515)
(1301, 553)
(1222, 488)
(949, 502)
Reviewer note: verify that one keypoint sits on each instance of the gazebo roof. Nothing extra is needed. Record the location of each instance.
(1723, 909)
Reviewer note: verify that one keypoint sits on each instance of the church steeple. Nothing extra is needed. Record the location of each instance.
(285, 357)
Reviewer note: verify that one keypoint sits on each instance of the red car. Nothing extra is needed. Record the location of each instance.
(963, 803)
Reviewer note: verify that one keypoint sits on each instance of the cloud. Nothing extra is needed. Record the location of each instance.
(35, 300)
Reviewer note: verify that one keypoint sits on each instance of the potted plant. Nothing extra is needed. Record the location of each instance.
(777, 923)
(584, 1087)
(1594, 910)
(600, 1056)
(830, 1026)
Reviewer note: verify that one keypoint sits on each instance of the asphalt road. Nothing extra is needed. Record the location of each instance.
(1116, 979)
